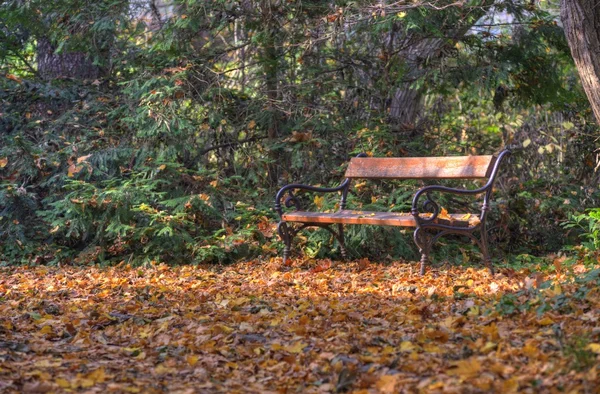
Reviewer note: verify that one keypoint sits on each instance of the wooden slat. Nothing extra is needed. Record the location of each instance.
(374, 218)
(419, 167)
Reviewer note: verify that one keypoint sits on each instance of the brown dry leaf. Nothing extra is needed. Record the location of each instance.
(83, 158)
(266, 227)
(300, 137)
(510, 386)
(73, 169)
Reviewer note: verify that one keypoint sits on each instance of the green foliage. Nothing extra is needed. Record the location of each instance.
(200, 113)
(588, 224)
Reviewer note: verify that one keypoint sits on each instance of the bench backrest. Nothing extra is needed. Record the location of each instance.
(453, 167)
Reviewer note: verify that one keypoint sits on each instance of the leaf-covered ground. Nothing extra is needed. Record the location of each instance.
(318, 327)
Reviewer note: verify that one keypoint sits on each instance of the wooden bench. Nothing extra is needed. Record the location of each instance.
(430, 221)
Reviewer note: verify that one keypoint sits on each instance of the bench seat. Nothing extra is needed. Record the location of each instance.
(400, 219)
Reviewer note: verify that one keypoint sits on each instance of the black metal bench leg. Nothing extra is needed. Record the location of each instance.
(423, 241)
(341, 240)
(286, 237)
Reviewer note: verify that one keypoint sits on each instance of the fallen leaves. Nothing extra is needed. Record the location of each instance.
(13, 77)
(78, 165)
(359, 327)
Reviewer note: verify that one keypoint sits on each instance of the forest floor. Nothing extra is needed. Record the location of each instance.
(317, 326)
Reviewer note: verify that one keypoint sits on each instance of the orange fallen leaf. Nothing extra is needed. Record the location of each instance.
(387, 383)
(466, 369)
(192, 360)
(324, 266)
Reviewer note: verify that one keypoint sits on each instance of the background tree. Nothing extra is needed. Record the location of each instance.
(581, 20)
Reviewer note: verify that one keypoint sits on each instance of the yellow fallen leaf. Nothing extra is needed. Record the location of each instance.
(86, 383)
(546, 321)
(406, 346)
(46, 330)
(556, 290)
(387, 383)
(530, 350)
(162, 369)
(3, 162)
(296, 348)
(63, 383)
(98, 376)
(488, 347)
(223, 328)
(594, 347)
(474, 221)
(510, 386)
(473, 311)
(319, 201)
(432, 348)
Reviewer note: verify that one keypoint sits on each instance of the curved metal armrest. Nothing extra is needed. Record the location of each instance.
(292, 200)
(437, 188)
(431, 204)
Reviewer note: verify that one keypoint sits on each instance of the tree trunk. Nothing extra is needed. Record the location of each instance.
(407, 101)
(406, 105)
(64, 65)
(581, 21)
(271, 75)
(270, 58)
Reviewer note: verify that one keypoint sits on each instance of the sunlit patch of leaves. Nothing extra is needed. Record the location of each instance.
(317, 326)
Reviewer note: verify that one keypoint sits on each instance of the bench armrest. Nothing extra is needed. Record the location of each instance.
(292, 200)
(429, 203)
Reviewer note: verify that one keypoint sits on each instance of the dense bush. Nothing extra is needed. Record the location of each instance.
(192, 119)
